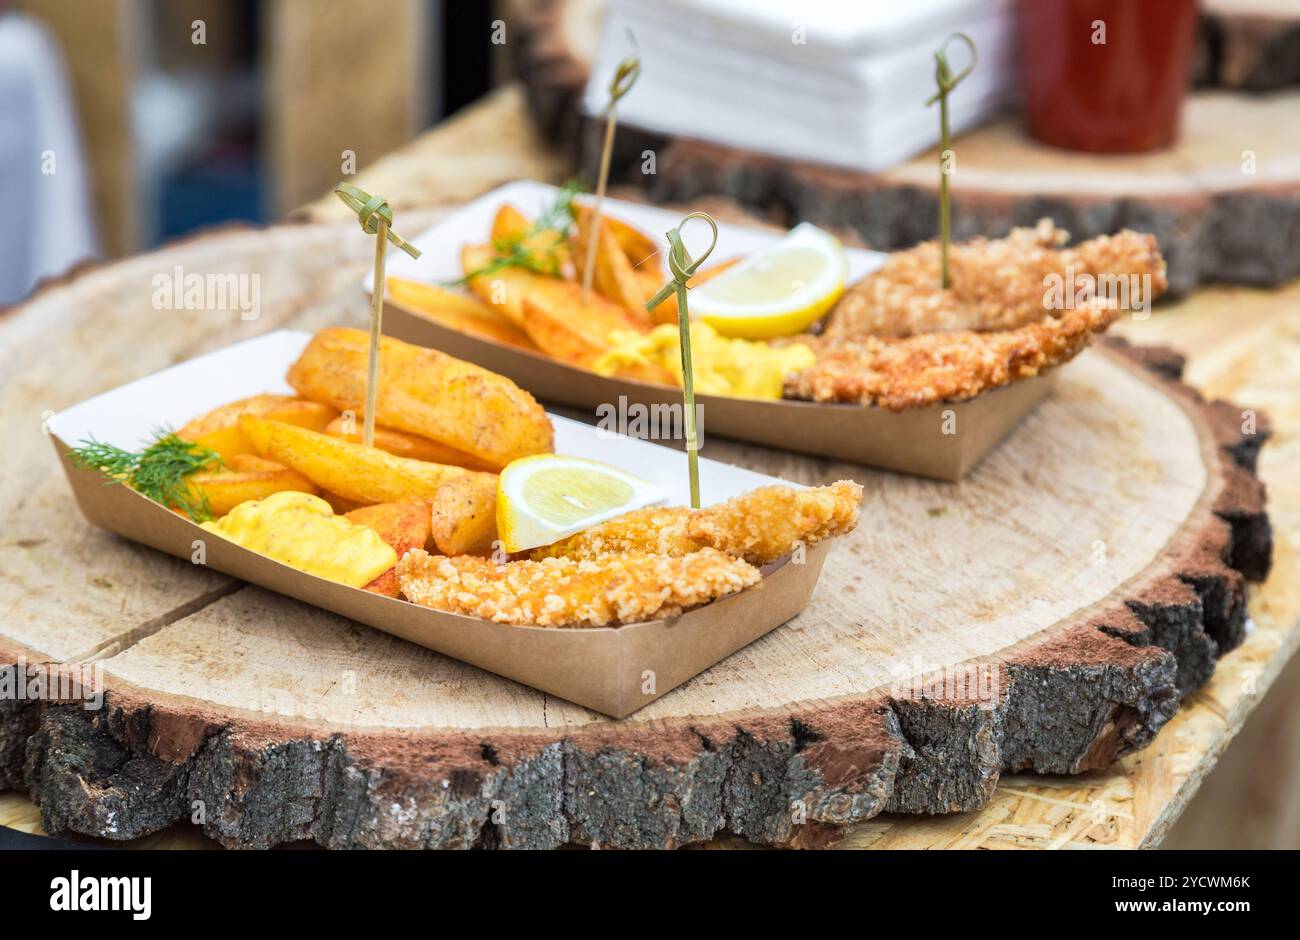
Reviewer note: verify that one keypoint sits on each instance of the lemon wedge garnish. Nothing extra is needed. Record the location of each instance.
(544, 498)
(778, 291)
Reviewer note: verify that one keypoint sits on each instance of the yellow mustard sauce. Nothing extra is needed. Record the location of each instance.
(741, 368)
(302, 531)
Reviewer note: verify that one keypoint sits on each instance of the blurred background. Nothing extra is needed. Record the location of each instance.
(131, 122)
(159, 117)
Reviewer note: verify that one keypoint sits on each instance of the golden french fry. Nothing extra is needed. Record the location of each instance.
(219, 428)
(400, 444)
(464, 517)
(457, 311)
(245, 477)
(353, 471)
(427, 393)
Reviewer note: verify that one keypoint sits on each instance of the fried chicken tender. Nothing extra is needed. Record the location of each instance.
(566, 592)
(759, 526)
(997, 284)
(915, 371)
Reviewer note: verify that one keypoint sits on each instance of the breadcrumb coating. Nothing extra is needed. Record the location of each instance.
(916, 371)
(567, 592)
(759, 526)
(997, 284)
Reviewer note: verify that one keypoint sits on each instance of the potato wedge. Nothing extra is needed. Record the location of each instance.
(464, 517)
(219, 428)
(637, 245)
(353, 471)
(457, 311)
(401, 444)
(565, 328)
(614, 277)
(561, 338)
(425, 392)
(403, 526)
(502, 290)
(245, 477)
(548, 248)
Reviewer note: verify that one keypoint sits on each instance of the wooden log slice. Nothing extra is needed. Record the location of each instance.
(1224, 202)
(1047, 613)
(1252, 45)
(1220, 214)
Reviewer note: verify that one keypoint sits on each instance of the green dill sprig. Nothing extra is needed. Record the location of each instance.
(518, 252)
(160, 471)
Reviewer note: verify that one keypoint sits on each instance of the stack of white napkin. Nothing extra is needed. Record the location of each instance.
(841, 82)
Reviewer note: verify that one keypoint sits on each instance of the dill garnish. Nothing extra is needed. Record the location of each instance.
(158, 472)
(526, 250)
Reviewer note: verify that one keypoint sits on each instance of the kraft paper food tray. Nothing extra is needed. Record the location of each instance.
(605, 669)
(944, 441)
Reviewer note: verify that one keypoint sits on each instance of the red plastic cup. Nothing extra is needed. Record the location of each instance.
(1107, 76)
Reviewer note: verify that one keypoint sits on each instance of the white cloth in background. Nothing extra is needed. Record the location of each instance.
(842, 82)
(48, 221)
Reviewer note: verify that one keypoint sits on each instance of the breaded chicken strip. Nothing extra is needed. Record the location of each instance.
(997, 284)
(932, 367)
(565, 592)
(759, 526)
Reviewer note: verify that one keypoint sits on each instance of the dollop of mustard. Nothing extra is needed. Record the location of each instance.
(740, 368)
(302, 531)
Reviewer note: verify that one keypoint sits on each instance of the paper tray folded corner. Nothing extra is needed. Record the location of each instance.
(612, 670)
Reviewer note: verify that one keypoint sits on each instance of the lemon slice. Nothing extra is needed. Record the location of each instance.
(542, 499)
(778, 291)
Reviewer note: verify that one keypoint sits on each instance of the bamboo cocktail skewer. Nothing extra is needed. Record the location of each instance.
(947, 82)
(683, 268)
(376, 219)
(624, 78)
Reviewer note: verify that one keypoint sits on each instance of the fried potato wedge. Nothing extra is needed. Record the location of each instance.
(503, 290)
(219, 428)
(427, 393)
(637, 246)
(458, 312)
(562, 326)
(353, 471)
(464, 517)
(245, 477)
(404, 526)
(548, 248)
(614, 277)
(560, 337)
(401, 444)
